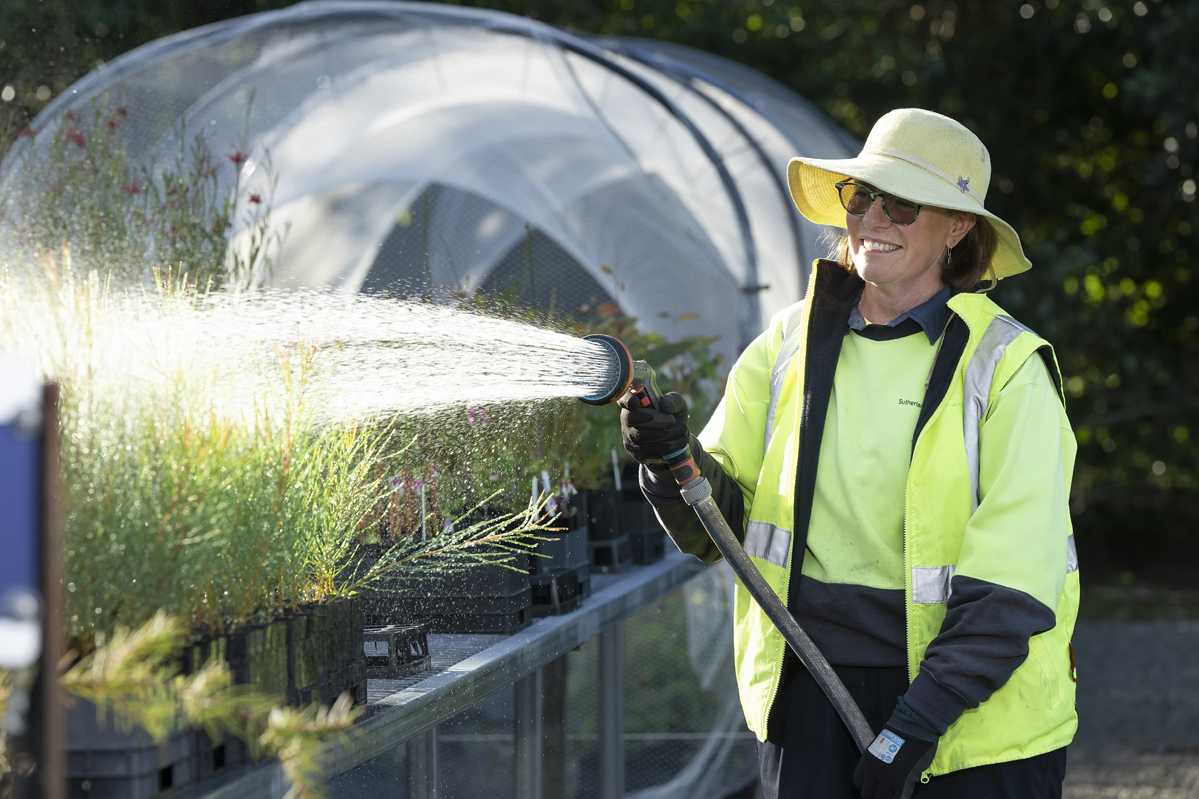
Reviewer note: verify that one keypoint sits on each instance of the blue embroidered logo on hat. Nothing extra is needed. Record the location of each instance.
(963, 184)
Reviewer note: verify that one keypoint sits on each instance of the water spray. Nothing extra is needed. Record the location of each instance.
(637, 378)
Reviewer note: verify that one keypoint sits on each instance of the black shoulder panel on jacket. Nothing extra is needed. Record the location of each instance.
(1046, 354)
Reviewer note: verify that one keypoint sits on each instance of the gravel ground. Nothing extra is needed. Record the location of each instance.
(1138, 708)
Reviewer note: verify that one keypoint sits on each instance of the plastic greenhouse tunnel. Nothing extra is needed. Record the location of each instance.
(416, 150)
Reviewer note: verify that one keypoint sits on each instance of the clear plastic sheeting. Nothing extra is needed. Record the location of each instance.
(432, 150)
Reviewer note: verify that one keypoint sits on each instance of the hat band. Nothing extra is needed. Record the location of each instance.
(962, 183)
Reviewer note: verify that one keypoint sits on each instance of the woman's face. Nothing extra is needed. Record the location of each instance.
(902, 257)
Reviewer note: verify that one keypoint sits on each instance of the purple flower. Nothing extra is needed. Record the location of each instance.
(474, 415)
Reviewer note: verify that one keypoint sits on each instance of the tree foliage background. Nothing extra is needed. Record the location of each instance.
(1089, 108)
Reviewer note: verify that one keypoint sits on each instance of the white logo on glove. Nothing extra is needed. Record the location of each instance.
(886, 746)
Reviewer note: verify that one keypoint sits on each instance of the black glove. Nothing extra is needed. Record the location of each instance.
(890, 767)
(650, 435)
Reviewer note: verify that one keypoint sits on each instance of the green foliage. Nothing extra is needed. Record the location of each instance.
(46, 45)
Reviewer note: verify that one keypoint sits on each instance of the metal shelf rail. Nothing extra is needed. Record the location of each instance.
(469, 668)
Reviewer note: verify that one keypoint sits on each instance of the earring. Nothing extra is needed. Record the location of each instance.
(949, 257)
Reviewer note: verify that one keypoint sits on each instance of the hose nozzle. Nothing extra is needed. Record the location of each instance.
(639, 379)
(623, 363)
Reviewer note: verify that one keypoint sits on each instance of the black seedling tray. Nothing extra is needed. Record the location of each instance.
(491, 598)
(487, 623)
(442, 605)
(396, 651)
(214, 755)
(557, 593)
(611, 555)
(105, 762)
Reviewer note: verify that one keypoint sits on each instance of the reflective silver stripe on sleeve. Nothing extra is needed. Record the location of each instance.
(977, 380)
(790, 345)
(931, 584)
(770, 543)
(1071, 555)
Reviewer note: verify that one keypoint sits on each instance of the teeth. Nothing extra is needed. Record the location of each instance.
(881, 247)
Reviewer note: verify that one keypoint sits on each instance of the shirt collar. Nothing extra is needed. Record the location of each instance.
(932, 315)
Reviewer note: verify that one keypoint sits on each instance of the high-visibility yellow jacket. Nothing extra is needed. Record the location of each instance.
(763, 436)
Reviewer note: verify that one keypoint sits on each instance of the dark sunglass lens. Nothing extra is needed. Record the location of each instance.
(902, 212)
(856, 200)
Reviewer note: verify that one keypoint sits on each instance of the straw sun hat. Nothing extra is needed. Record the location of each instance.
(920, 156)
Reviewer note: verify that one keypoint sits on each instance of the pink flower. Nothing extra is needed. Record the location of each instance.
(113, 124)
(256, 198)
(478, 415)
(28, 132)
(238, 158)
(171, 192)
(131, 188)
(76, 137)
(72, 115)
(122, 111)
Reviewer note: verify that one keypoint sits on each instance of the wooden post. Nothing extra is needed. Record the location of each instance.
(53, 742)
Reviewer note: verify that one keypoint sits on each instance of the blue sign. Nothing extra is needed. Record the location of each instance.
(20, 511)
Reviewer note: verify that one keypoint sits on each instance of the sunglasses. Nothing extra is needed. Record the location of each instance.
(857, 200)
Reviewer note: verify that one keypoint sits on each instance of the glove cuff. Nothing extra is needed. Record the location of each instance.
(659, 486)
(908, 722)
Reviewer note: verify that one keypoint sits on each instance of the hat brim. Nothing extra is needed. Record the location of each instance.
(812, 180)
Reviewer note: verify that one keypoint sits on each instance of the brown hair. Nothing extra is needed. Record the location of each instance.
(971, 257)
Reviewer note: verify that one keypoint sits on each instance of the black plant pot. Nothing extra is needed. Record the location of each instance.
(325, 655)
(608, 541)
(646, 536)
(567, 556)
(313, 655)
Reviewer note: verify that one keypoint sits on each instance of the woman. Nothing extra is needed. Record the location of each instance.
(896, 450)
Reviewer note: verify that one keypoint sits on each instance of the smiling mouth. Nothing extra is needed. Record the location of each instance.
(879, 246)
